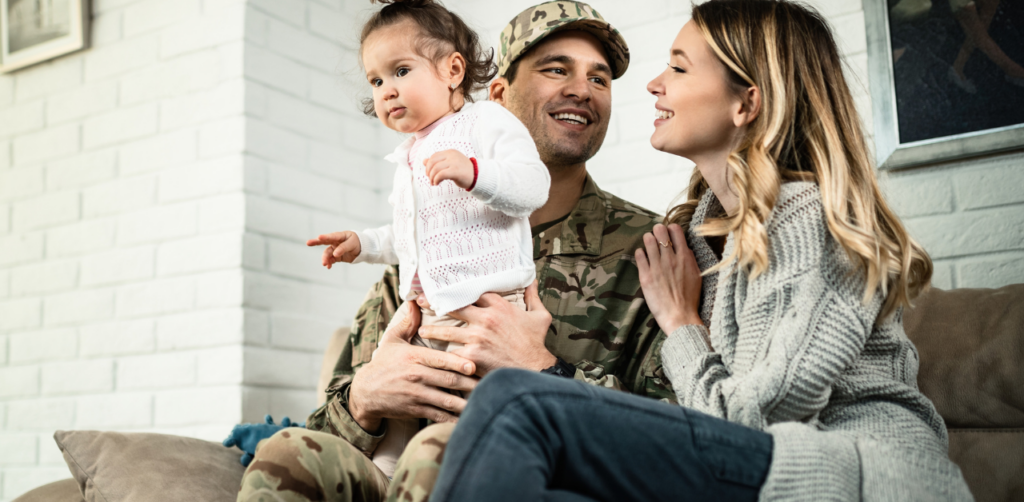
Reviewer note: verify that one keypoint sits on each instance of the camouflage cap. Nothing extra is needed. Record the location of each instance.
(539, 21)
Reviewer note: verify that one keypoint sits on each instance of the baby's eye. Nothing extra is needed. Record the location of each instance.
(376, 82)
(402, 72)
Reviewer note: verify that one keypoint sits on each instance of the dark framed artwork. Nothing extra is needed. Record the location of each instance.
(947, 78)
(33, 31)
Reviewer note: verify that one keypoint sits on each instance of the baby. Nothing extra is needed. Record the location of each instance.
(465, 183)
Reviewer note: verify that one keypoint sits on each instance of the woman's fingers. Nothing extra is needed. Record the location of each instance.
(642, 265)
(653, 250)
(678, 238)
(665, 244)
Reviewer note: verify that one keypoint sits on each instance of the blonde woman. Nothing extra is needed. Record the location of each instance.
(782, 301)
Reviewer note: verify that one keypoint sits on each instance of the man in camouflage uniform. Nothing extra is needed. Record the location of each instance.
(589, 320)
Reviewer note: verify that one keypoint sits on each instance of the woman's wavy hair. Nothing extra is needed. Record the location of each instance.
(807, 129)
(442, 32)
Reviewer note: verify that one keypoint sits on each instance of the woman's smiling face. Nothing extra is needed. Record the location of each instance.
(697, 102)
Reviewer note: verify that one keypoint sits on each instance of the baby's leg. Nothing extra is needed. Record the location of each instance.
(400, 430)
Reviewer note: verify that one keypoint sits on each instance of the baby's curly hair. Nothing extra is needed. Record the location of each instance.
(442, 32)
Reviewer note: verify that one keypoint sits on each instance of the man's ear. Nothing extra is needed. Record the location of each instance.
(499, 91)
(455, 67)
(750, 106)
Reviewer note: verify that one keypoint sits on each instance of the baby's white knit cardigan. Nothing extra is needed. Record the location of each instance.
(464, 243)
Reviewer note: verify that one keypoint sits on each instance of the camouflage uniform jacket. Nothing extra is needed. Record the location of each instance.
(588, 282)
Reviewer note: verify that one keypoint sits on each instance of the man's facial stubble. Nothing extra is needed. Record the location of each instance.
(558, 147)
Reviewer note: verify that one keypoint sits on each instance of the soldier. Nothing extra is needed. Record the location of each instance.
(587, 319)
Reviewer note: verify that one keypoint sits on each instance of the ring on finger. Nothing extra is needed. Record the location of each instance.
(665, 244)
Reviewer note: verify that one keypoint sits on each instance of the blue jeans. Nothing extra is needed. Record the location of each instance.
(526, 436)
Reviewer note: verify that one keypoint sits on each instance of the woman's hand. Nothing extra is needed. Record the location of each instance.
(669, 277)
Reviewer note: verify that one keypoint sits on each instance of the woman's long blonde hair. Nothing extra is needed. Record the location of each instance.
(807, 129)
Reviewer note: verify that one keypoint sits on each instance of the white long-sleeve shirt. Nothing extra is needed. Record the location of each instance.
(463, 243)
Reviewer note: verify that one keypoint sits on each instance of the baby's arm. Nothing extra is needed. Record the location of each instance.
(508, 174)
(341, 246)
(512, 178)
(373, 245)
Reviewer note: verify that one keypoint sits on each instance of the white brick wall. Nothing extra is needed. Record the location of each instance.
(156, 191)
(122, 222)
(310, 167)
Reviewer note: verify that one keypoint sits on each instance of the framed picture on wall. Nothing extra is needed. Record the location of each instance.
(33, 31)
(947, 78)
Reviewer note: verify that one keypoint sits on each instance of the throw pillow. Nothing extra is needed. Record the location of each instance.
(144, 467)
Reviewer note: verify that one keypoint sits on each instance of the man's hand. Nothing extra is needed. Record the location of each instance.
(499, 334)
(450, 165)
(341, 246)
(405, 381)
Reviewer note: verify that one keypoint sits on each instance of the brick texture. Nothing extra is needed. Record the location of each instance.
(156, 191)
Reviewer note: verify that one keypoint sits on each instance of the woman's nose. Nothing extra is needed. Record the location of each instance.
(655, 86)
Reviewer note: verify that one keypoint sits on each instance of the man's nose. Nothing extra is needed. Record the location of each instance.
(578, 87)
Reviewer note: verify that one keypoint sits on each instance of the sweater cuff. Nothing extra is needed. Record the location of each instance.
(368, 248)
(349, 429)
(486, 181)
(686, 343)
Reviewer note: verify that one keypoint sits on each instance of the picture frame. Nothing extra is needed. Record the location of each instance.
(946, 110)
(34, 31)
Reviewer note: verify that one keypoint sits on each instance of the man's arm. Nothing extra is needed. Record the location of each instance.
(400, 381)
(378, 308)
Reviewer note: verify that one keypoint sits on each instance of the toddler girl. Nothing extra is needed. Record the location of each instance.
(465, 183)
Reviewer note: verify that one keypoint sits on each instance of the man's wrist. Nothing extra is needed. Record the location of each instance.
(369, 423)
(561, 368)
(545, 362)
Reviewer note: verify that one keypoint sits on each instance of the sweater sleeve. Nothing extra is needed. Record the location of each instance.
(377, 245)
(511, 177)
(806, 320)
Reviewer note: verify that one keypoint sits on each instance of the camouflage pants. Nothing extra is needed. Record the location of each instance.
(302, 465)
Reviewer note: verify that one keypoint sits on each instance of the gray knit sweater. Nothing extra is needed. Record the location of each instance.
(796, 353)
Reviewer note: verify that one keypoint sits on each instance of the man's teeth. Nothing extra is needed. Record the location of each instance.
(663, 114)
(571, 117)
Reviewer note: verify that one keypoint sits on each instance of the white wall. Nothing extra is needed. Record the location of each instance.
(313, 165)
(121, 233)
(156, 190)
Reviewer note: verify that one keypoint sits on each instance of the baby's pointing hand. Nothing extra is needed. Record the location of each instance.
(341, 246)
(450, 165)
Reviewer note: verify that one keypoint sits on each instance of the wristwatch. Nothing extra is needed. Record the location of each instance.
(561, 368)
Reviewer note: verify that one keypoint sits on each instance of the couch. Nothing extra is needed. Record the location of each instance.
(971, 346)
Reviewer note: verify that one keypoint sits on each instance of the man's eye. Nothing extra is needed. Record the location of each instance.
(560, 71)
(598, 80)
(402, 72)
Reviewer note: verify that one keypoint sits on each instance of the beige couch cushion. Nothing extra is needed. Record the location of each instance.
(971, 343)
(142, 467)
(65, 490)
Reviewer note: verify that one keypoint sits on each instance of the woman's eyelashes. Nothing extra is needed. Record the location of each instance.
(676, 68)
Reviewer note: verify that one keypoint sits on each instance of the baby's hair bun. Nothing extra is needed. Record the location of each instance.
(410, 3)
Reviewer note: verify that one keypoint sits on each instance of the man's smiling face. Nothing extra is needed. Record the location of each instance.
(562, 93)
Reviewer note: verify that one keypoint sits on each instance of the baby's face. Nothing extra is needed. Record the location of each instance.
(408, 92)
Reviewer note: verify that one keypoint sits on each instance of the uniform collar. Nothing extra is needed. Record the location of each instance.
(582, 231)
